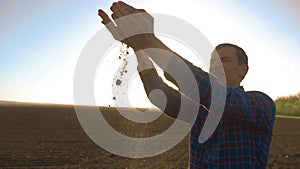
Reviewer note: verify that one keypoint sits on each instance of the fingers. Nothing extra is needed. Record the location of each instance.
(109, 24)
(104, 16)
(119, 11)
(135, 16)
(126, 6)
(116, 12)
(137, 22)
(114, 16)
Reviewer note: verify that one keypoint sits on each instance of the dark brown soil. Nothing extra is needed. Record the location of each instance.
(50, 136)
(118, 82)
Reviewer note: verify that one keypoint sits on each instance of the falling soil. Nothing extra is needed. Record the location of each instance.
(118, 82)
(123, 56)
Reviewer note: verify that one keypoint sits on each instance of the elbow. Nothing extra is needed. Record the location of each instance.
(160, 100)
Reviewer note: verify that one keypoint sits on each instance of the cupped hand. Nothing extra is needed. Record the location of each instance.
(132, 26)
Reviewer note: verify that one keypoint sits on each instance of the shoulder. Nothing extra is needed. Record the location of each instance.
(251, 95)
(260, 96)
(262, 99)
(253, 98)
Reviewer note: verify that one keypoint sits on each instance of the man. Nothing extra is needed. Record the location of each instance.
(243, 135)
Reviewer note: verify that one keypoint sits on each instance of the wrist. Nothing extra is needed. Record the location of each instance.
(145, 41)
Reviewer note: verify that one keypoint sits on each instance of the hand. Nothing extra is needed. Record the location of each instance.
(134, 27)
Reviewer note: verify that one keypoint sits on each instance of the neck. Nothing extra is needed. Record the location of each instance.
(234, 85)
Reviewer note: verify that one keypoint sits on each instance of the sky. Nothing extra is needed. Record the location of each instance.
(41, 42)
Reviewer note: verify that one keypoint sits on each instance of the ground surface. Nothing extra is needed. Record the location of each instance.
(51, 137)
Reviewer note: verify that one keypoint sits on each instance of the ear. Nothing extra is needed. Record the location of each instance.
(244, 70)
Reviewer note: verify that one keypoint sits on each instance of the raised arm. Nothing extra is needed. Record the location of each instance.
(135, 28)
(170, 104)
(173, 101)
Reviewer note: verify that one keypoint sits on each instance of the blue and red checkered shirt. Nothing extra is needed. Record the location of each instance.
(242, 137)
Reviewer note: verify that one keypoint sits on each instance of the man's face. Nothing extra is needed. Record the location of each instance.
(234, 72)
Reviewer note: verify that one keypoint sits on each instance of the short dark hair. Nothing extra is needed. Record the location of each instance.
(241, 54)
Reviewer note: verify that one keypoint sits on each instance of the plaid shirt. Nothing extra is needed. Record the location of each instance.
(242, 138)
